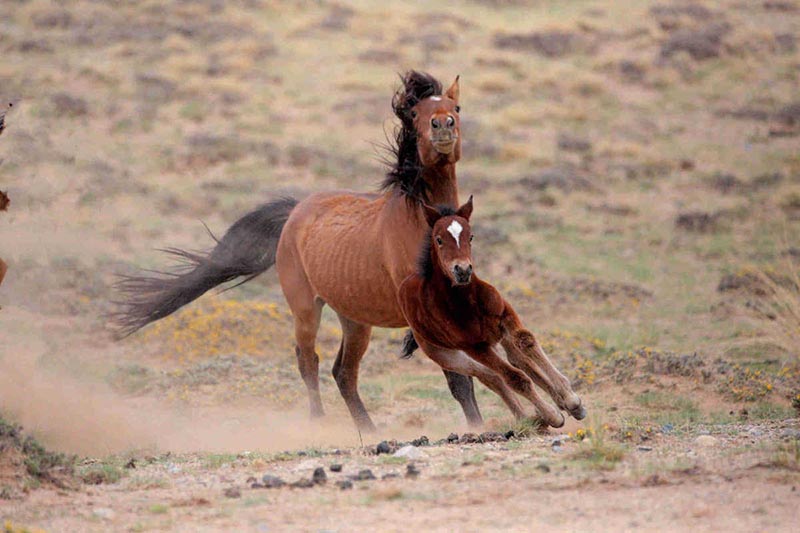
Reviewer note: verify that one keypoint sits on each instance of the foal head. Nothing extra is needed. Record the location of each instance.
(450, 248)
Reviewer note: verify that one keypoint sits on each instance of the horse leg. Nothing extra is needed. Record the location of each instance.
(525, 353)
(519, 382)
(3, 270)
(459, 363)
(463, 390)
(355, 339)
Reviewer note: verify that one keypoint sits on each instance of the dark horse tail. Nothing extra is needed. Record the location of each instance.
(246, 250)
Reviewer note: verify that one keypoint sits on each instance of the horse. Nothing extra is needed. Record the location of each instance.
(460, 321)
(348, 250)
(425, 150)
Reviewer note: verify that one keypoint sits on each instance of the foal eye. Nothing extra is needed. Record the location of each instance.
(413, 114)
(458, 109)
(439, 241)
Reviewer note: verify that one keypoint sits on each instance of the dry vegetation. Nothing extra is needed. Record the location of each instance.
(636, 166)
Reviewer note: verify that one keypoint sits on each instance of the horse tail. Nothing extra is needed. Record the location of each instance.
(246, 250)
(409, 345)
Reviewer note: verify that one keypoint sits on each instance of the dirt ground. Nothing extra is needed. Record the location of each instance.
(636, 171)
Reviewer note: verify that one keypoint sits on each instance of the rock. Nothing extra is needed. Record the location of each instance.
(363, 475)
(383, 447)
(256, 485)
(232, 492)
(390, 475)
(543, 467)
(452, 438)
(469, 438)
(697, 221)
(410, 452)
(104, 513)
(493, 436)
(412, 471)
(422, 441)
(336, 467)
(319, 477)
(509, 434)
(131, 464)
(790, 434)
(644, 448)
(303, 484)
(666, 429)
(272, 482)
(706, 441)
(344, 484)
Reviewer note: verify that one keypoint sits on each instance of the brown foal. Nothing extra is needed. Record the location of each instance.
(460, 321)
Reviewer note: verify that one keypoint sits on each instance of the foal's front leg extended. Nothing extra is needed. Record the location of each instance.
(525, 353)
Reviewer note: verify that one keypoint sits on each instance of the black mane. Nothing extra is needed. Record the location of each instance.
(406, 173)
(425, 264)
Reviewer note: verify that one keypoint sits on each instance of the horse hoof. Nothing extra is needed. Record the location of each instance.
(557, 421)
(578, 413)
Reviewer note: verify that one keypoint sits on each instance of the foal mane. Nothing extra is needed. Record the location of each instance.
(425, 264)
(406, 173)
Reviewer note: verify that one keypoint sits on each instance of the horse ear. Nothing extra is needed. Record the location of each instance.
(465, 211)
(431, 214)
(453, 92)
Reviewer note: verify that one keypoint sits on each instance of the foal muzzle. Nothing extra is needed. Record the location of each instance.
(462, 275)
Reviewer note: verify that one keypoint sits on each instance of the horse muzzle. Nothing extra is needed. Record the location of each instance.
(445, 142)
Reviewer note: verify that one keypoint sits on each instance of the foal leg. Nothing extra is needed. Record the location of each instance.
(519, 382)
(306, 325)
(355, 339)
(463, 390)
(3, 270)
(525, 353)
(459, 363)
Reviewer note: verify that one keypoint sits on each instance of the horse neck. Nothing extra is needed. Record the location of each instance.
(442, 184)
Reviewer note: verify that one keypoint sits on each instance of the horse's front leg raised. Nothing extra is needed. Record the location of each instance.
(525, 353)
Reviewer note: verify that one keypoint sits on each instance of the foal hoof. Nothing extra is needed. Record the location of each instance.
(556, 421)
(578, 413)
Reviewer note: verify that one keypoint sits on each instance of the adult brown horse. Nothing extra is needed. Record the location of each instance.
(348, 250)
(460, 321)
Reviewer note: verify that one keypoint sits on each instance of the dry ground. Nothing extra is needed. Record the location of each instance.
(636, 166)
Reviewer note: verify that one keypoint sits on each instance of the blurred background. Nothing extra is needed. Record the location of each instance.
(635, 165)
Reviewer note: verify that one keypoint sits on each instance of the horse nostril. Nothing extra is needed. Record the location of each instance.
(435, 123)
(469, 270)
(450, 122)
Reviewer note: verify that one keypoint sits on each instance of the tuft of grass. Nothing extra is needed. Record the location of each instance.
(158, 508)
(100, 473)
(598, 451)
(781, 306)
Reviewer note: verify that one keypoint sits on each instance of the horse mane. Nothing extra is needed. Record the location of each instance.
(406, 173)
(425, 264)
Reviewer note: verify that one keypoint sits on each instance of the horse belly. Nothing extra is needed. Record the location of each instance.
(343, 261)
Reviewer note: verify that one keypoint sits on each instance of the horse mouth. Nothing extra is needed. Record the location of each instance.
(445, 146)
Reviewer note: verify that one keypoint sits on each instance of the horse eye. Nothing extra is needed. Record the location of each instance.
(439, 240)
(458, 109)
(413, 114)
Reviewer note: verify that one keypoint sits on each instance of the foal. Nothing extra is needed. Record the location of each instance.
(459, 320)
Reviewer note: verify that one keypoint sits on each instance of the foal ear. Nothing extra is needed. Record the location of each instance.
(431, 214)
(453, 91)
(465, 211)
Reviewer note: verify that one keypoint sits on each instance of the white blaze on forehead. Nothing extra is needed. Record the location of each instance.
(455, 230)
(436, 98)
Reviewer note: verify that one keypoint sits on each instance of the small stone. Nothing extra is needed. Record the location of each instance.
(410, 452)
(104, 513)
(390, 475)
(131, 464)
(251, 479)
(706, 441)
(303, 484)
(272, 482)
(422, 441)
(412, 471)
(644, 448)
(492, 436)
(666, 429)
(319, 477)
(790, 434)
(364, 475)
(543, 467)
(383, 447)
(336, 467)
(452, 437)
(556, 443)
(256, 485)
(232, 492)
(344, 484)
(469, 438)
(509, 434)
